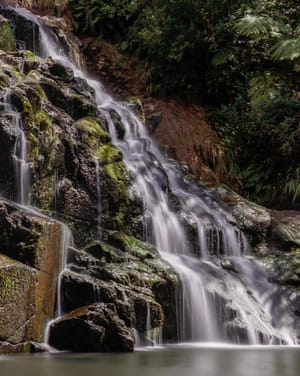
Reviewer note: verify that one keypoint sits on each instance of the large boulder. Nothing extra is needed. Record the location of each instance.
(250, 217)
(128, 274)
(94, 328)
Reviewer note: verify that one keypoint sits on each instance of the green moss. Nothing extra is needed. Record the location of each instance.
(29, 55)
(8, 283)
(4, 80)
(118, 174)
(44, 120)
(91, 132)
(108, 154)
(44, 191)
(16, 72)
(133, 246)
(27, 108)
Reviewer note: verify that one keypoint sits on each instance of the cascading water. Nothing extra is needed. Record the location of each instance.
(98, 197)
(21, 165)
(213, 304)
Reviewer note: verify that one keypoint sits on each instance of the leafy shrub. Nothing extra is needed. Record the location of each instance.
(102, 17)
(7, 38)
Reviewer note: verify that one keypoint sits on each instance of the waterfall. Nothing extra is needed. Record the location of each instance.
(213, 304)
(21, 165)
(99, 206)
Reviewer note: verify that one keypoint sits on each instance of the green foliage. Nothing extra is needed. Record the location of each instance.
(241, 58)
(286, 49)
(7, 38)
(102, 16)
(292, 184)
(260, 27)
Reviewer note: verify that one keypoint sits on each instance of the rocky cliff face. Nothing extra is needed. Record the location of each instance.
(29, 267)
(71, 161)
(114, 281)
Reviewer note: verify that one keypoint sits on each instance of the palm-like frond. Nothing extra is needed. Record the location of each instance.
(262, 89)
(260, 26)
(292, 185)
(287, 49)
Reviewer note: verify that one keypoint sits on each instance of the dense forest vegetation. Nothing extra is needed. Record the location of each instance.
(239, 58)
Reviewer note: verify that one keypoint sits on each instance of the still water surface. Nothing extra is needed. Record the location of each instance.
(171, 361)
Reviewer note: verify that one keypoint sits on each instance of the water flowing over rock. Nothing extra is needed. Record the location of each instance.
(156, 252)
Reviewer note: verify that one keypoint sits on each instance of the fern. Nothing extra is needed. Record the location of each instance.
(263, 88)
(288, 49)
(292, 186)
(260, 27)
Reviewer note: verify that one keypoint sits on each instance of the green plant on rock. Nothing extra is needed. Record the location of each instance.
(7, 38)
(292, 184)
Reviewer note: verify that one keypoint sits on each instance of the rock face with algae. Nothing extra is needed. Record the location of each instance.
(114, 281)
(29, 266)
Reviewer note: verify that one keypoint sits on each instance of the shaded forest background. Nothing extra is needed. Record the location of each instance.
(239, 59)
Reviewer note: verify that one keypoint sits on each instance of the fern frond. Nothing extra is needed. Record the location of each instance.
(259, 26)
(288, 49)
(262, 89)
(221, 57)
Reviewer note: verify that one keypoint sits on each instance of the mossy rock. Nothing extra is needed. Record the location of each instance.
(108, 154)
(105, 252)
(132, 245)
(91, 132)
(288, 232)
(76, 105)
(249, 216)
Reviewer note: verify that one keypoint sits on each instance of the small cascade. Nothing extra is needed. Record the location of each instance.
(153, 335)
(66, 242)
(99, 206)
(21, 165)
(213, 303)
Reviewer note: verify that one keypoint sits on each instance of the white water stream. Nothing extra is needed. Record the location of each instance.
(212, 304)
(21, 165)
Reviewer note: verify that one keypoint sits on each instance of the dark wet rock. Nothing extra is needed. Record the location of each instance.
(8, 134)
(76, 105)
(127, 273)
(29, 265)
(286, 228)
(24, 347)
(250, 217)
(95, 328)
(70, 151)
(80, 290)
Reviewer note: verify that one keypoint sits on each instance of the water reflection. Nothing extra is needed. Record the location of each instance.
(174, 361)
